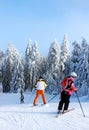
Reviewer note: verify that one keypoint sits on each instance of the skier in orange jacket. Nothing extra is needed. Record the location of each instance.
(66, 93)
(40, 87)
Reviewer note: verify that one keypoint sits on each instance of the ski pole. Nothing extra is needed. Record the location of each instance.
(31, 95)
(80, 104)
(52, 98)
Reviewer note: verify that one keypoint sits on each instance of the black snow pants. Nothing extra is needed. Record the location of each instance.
(64, 102)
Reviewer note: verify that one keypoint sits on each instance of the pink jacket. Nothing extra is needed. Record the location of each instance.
(70, 86)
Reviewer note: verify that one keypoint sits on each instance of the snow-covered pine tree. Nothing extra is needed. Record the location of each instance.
(6, 74)
(17, 82)
(7, 67)
(36, 62)
(82, 69)
(52, 68)
(28, 66)
(42, 66)
(87, 74)
(1, 62)
(32, 62)
(65, 57)
(75, 56)
(1, 55)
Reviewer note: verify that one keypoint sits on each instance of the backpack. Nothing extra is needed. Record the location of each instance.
(64, 82)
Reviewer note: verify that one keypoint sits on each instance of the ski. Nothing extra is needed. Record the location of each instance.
(69, 110)
(38, 105)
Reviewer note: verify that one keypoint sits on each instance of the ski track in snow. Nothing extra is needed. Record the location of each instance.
(23, 117)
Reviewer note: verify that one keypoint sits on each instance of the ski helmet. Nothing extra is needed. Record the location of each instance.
(73, 74)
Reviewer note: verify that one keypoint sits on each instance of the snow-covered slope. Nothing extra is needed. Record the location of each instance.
(16, 116)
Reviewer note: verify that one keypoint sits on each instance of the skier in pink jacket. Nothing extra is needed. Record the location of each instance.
(66, 93)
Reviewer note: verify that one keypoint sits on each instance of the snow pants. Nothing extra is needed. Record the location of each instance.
(64, 102)
(38, 93)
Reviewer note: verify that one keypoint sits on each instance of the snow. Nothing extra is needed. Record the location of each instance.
(16, 116)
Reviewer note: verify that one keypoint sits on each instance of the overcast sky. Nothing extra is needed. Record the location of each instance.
(43, 21)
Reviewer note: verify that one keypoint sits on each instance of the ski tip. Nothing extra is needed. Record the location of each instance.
(69, 110)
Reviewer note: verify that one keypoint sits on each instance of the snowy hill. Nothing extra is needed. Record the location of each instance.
(16, 116)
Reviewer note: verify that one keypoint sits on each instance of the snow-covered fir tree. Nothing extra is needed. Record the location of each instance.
(17, 81)
(28, 65)
(75, 56)
(52, 68)
(7, 66)
(82, 69)
(42, 66)
(32, 62)
(1, 55)
(65, 56)
(1, 62)
(35, 63)
(87, 73)
(6, 74)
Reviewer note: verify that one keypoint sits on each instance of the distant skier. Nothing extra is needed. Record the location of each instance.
(40, 87)
(67, 88)
(21, 96)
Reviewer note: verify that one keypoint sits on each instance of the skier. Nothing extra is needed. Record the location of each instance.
(22, 96)
(40, 87)
(66, 93)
